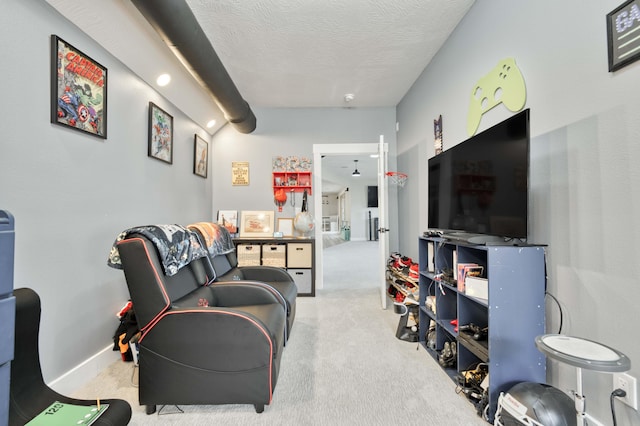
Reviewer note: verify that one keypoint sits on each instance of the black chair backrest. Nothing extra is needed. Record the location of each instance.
(221, 265)
(233, 259)
(26, 374)
(151, 291)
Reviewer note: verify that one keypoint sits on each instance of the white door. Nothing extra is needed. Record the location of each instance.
(383, 214)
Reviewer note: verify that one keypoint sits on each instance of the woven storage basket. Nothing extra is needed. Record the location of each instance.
(274, 255)
(248, 254)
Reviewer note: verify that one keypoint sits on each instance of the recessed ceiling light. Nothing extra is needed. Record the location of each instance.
(373, 155)
(163, 79)
(211, 123)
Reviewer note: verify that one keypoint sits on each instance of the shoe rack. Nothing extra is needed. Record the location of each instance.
(499, 330)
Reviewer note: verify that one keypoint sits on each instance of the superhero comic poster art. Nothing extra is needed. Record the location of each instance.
(78, 90)
(160, 144)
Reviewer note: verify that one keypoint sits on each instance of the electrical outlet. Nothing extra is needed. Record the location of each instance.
(628, 384)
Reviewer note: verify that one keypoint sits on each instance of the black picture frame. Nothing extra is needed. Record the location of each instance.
(200, 156)
(160, 141)
(78, 90)
(622, 50)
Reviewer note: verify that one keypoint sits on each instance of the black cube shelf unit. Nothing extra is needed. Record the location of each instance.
(514, 311)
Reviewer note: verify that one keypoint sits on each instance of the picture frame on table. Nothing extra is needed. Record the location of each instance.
(200, 156)
(285, 226)
(229, 219)
(78, 90)
(160, 143)
(256, 223)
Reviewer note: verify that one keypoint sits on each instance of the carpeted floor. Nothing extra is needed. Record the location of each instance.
(330, 239)
(342, 365)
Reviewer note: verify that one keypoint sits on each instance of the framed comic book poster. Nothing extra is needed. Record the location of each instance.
(78, 90)
(200, 156)
(160, 142)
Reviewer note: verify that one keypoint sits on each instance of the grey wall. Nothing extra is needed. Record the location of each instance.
(71, 194)
(584, 181)
(285, 132)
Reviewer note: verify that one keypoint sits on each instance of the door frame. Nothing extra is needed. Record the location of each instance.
(331, 149)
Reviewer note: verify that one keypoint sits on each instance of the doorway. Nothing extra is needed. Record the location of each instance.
(320, 150)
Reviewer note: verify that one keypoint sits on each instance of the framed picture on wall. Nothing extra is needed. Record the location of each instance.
(160, 144)
(256, 224)
(78, 90)
(229, 219)
(200, 156)
(623, 45)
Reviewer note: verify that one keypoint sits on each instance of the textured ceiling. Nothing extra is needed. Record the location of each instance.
(310, 53)
(284, 53)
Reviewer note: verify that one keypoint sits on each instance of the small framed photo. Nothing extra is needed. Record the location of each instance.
(200, 156)
(160, 134)
(285, 226)
(256, 224)
(78, 90)
(229, 219)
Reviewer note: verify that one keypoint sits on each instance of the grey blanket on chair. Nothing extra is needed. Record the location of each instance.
(216, 237)
(177, 246)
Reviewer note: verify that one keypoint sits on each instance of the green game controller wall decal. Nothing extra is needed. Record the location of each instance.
(502, 85)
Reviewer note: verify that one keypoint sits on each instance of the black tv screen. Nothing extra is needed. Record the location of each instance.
(480, 186)
(372, 196)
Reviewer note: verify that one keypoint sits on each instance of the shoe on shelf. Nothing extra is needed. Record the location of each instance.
(401, 263)
(393, 258)
(447, 359)
(414, 273)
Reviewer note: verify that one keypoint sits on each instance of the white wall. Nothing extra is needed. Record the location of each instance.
(282, 131)
(584, 200)
(331, 206)
(71, 193)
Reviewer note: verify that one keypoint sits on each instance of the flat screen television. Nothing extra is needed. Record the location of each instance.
(372, 196)
(480, 186)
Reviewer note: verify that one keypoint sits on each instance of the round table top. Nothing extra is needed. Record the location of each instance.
(583, 353)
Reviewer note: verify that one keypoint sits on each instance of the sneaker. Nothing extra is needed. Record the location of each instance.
(393, 258)
(404, 262)
(401, 263)
(414, 273)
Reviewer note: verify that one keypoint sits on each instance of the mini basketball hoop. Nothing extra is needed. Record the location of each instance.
(397, 178)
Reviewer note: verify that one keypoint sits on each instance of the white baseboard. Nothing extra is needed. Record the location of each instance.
(80, 375)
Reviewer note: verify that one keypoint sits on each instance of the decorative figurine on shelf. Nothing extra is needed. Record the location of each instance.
(303, 222)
